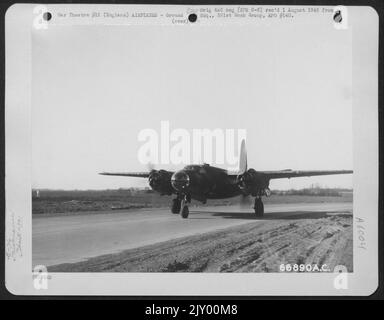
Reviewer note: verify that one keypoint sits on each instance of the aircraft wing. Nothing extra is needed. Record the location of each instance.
(294, 174)
(126, 174)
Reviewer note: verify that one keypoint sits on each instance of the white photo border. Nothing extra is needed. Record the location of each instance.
(18, 261)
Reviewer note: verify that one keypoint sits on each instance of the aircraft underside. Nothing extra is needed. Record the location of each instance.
(181, 201)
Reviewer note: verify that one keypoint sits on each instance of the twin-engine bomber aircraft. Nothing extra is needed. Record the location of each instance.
(202, 182)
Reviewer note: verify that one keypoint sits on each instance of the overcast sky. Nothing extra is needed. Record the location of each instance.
(95, 88)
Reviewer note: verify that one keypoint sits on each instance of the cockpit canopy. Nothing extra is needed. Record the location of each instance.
(192, 167)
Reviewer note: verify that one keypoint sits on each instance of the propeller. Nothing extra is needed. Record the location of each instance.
(154, 175)
(159, 179)
(246, 179)
(156, 179)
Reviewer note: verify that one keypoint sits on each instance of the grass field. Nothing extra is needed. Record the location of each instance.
(75, 201)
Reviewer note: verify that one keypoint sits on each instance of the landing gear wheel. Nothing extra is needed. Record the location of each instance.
(176, 206)
(185, 212)
(259, 207)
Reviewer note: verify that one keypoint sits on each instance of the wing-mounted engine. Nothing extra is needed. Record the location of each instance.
(253, 183)
(160, 181)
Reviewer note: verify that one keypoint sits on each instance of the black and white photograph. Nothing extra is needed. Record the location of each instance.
(198, 140)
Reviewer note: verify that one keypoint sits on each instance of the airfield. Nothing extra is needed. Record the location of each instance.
(218, 238)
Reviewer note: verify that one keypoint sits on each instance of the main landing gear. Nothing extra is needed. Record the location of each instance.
(176, 206)
(180, 205)
(259, 207)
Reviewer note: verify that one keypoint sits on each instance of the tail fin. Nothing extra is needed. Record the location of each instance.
(243, 158)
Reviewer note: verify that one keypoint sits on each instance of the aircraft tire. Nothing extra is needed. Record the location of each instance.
(259, 208)
(176, 206)
(185, 212)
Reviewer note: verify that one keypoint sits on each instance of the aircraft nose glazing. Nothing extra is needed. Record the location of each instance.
(180, 180)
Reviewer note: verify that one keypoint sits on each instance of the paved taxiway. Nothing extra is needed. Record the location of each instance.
(71, 238)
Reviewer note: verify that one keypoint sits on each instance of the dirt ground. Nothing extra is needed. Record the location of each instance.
(262, 246)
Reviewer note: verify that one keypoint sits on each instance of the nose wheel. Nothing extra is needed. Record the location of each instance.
(180, 205)
(184, 212)
(176, 206)
(259, 207)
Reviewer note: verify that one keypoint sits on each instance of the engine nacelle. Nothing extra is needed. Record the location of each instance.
(160, 181)
(253, 182)
(246, 180)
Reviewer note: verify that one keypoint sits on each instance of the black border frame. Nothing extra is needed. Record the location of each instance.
(140, 302)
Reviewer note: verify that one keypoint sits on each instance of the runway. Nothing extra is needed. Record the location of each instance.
(73, 238)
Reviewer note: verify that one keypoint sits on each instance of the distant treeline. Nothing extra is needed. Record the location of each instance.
(112, 193)
(67, 201)
(329, 192)
(74, 194)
